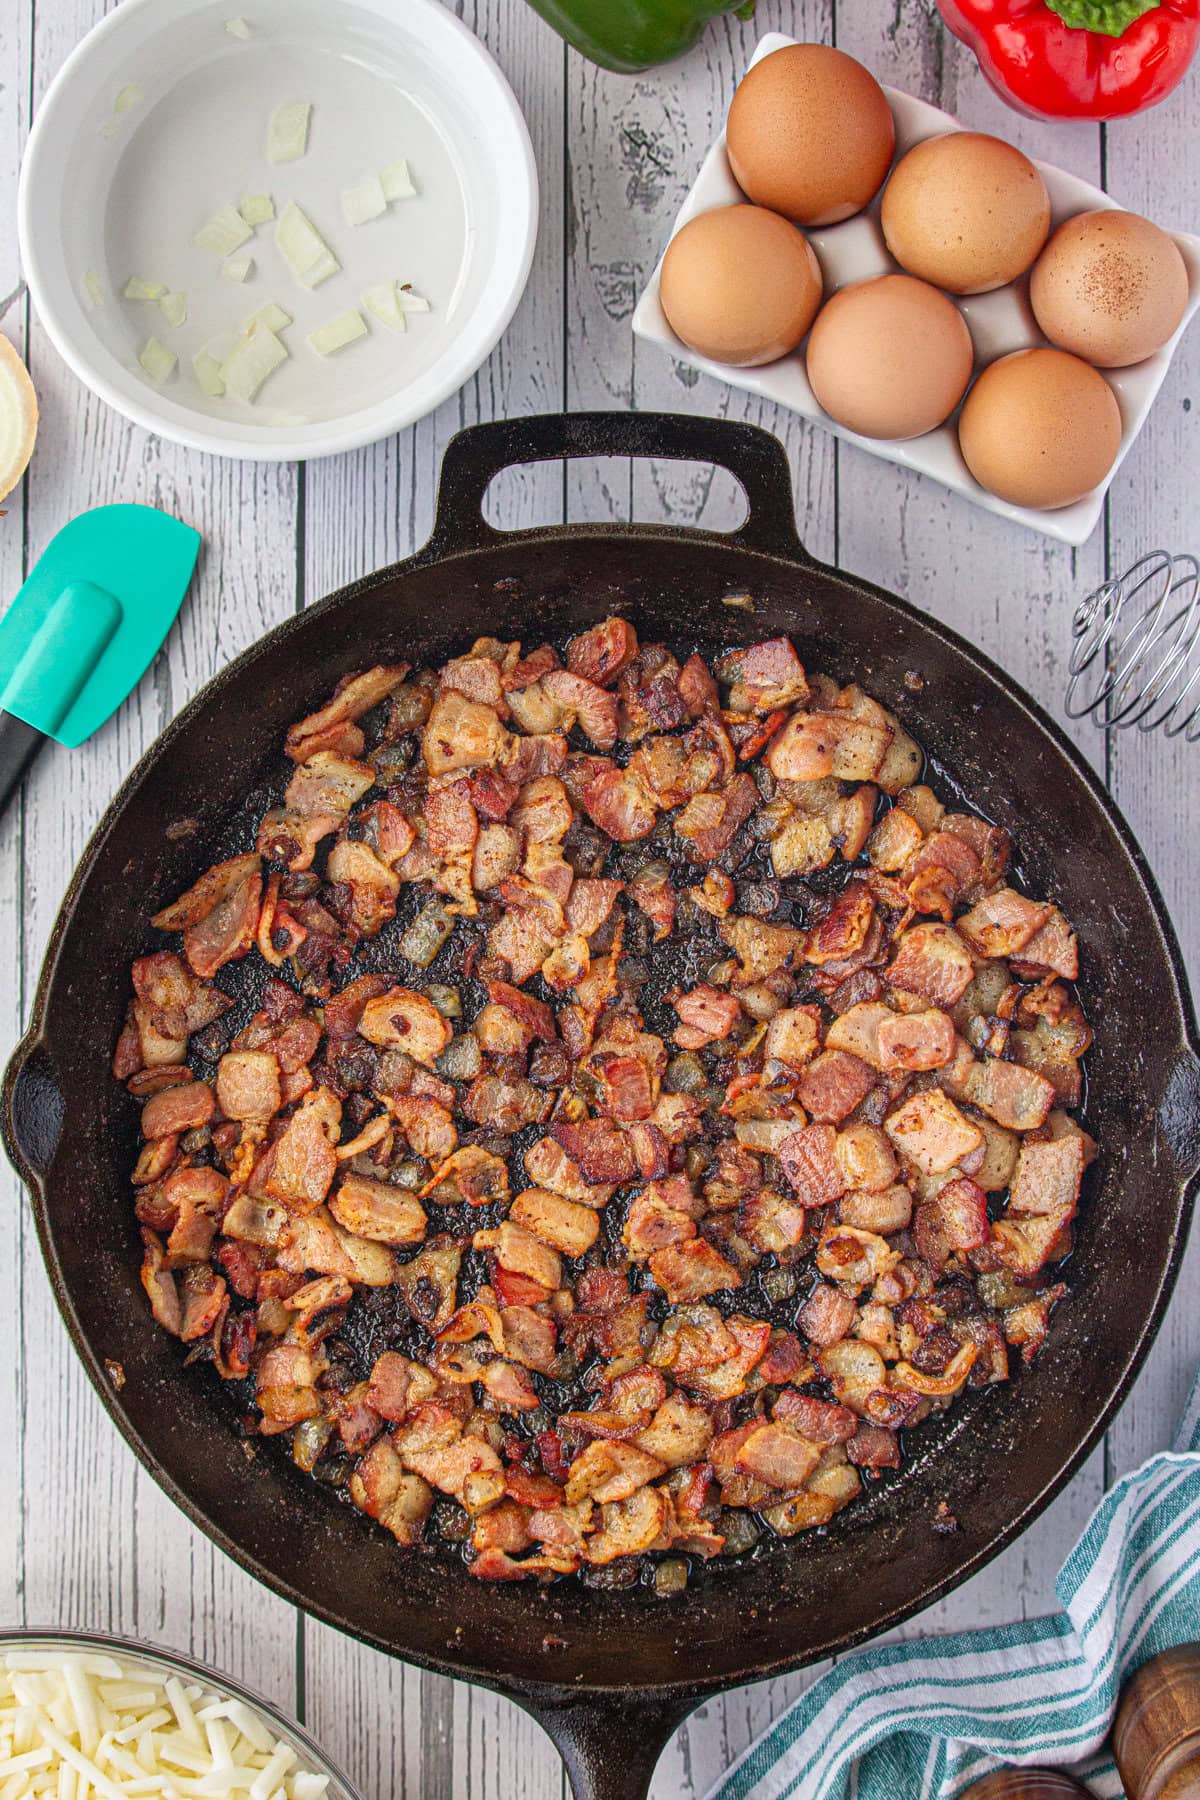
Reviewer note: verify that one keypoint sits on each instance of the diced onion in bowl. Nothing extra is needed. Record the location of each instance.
(173, 307)
(238, 28)
(272, 315)
(339, 332)
(128, 98)
(303, 248)
(158, 362)
(224, 233)
(287, 132)
(256, 355)
(364, 202)
(237, 268)
(137, 288)
(73, 1722)
(207, 371)
(381, 302)
(397, 183)
(257, 209)
(94, 288)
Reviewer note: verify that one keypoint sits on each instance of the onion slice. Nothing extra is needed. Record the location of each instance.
(137, 288)
(339, 332)
(18, 418)
(397, 183)
(158, 362)
(287, 132)
(224, 233)
(173, 307)
(237, 268)
(364, 202)
(256, 355)
(94, 288)
(207, 371)
(303, 248)
(381, 302)
(257, 209)
(272, 315)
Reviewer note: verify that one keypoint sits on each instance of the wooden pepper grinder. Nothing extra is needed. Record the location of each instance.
(1026, 1784)
(1156, 1733)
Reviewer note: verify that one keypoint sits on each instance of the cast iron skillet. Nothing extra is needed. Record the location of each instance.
(611, 1675)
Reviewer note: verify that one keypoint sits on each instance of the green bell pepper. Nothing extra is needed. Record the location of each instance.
(628, 35)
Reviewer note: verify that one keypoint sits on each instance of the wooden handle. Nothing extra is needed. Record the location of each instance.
(1026, 1784)
(1156, 1733)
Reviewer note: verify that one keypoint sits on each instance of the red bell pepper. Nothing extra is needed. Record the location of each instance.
(1079, 59)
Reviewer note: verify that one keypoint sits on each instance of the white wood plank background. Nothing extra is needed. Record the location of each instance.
(91, 1541)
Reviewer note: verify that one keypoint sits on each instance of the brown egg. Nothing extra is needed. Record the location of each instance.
(965, 211)
(890, 358)
(1040, 428)
(740, 285)
(810, 134)
(1110, 286)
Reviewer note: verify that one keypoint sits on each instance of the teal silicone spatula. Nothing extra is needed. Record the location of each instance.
(86, 626)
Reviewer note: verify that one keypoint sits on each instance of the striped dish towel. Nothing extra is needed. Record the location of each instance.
(924, 1719)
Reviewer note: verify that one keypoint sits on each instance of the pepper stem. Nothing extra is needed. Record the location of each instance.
(1110, 18)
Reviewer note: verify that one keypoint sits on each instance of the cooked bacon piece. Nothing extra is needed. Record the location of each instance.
(834, 1084)
(160, 1286)
(313, 1241)
(590, 905)
(1002, 924)
(810, 1163)
(865, 1158)
(689, 1271)
(376, 1210)
(609, 1471)
(621, 803)
(403, 1020)
(563, 1224)
(398, 1385)
(463, 734)
(653, 891)
(761, 948)
(541, 753)
(292, 838)
(697, 688)
(521, 1252)
(1042, 1203)
(953, 1219)
(548, 1166)
(843, 930)
(794, 1036)
(173, 1001)
(248, 1084)
(353, 696)
(601, 653)
(815, 745)
(778, 1455)
(303, 1161)
(227, 932)
(663, 1214)
(542, 811)
(853, 1257)
(497, 855)
(709, 822)
(451, 820)
(1053, 948)
(478, 677)
(503, 1105)
(214, 886)
(916, 1041)
(427, 1124)
(285, 1388)
(930, 1132)
(818, 1420)
(678, 1435)
(932, 960)
(595, 709)
(600, 1148)
(177, 1109)
(1017, 1098)
(628, 1088)
(433, 1444)
(874, 1447)
(827, 1315)
(382, 1488)
(651, 1152)
(676, 769)
(327, 783)
(764, 676)
(706, 1015)
(490, 794)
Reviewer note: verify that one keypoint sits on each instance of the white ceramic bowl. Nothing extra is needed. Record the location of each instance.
(999, 322)
(112, 191)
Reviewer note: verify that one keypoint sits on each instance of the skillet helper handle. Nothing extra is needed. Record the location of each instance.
(19, 744)
(610, 1743)
(753, 457)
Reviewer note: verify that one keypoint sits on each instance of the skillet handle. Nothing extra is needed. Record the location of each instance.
(755, 458)
(610, 1743)
(32, 1110)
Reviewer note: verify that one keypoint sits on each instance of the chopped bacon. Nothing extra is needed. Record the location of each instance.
(778, 1455)
(708, 823)
(601, 1150)
(818, 1420)
(833, 1084)
(463, 734)
(590, 905)
(227, 933)
(826, 1315)
(621, 803)
(548, 1166)
(931, 1132)
(652, 890)
(627, 1086)
(600, 654)
(177, 1109)
(303, 1160)
(248, 1084)
(353, 696)
(953, 1219)
(688, 1271)
(1002, 924)
(932, 960)
(764, 676)
(400, 1019)
(1015, 1097)
(1053, 948)
(376, 1210)
(327, 783)
(697, 687)
(595, 709)
(706, 1015)
(915, 1041)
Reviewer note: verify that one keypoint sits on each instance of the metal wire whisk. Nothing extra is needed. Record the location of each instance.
(1135, 658)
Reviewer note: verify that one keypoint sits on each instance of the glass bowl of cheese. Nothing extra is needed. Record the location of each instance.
(91, 1715)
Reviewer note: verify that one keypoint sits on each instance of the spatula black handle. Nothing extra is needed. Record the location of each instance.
(19, 744)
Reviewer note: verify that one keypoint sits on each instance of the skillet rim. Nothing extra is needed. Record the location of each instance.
(530, 1689)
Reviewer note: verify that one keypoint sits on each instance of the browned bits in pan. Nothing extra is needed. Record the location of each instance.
(657, 1103)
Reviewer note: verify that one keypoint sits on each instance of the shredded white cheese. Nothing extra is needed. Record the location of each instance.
(158, 362)
(224, 233)
(396, 182)
(287, 132)
(75, 1725)
(257, 209)
(339, 332)
(364, 202)
(303, 248)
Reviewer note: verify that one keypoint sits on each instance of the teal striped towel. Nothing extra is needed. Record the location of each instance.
(924, 1719)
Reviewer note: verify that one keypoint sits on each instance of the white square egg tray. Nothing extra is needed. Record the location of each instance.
(999, 322)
